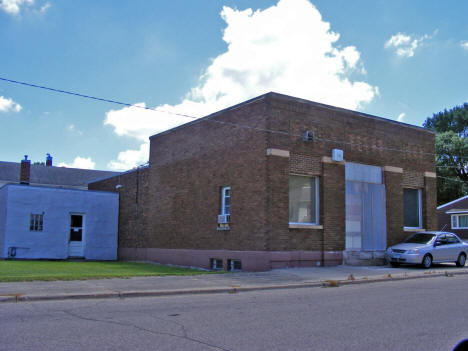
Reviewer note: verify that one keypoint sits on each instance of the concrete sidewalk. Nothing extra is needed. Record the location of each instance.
(215, 283)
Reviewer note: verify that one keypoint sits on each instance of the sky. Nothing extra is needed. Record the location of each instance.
(401, 60)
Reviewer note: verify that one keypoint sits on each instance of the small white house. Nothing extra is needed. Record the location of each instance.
(38, 222)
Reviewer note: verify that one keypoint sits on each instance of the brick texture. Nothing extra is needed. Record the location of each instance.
(133, 189)
(412, 179)
(305, 164)
(430, 219)
(178, 197)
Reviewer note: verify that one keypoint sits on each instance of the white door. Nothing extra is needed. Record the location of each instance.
(75, 244)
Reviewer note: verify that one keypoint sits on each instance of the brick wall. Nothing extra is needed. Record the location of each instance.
(394, 208)
(180, 191)
(412, 179)
(363, 139)
(189, 166)
(133, 192)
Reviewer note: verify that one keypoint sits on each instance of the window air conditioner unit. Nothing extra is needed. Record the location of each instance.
(223, 218)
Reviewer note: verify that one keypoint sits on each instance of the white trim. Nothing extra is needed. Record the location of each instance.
(293, 225)
(317, 201)
(454, 211)
(83, 235)
(413, 229)
(430, 174)
(420, 210)
(393, 169)
(223, 200)
(277, 152)
(458, 221)
(452, 202)
(327, 159)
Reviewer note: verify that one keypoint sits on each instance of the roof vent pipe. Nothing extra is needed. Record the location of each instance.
(48, 160)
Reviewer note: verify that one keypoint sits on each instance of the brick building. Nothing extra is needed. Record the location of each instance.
(277, 181)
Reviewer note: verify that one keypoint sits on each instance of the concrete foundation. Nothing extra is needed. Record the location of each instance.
(250, 260)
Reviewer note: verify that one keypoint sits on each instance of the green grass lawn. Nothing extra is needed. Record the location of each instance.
(15, 271)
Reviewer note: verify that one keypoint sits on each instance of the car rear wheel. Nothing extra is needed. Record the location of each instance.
(461, 260)
(427, 261)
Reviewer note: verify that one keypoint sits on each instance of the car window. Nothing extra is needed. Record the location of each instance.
(420, 238)
(452, 239)
(442, 239)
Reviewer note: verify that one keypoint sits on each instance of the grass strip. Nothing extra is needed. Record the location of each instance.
(15, 271)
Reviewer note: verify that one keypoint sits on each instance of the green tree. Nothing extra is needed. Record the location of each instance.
(451, 152)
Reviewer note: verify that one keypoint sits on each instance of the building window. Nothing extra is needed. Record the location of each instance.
(460, 221)
(216, 264)
(225, 216)
(303, 200)
(36, 222)
(412, 208)
(226, 200)
(234, 265)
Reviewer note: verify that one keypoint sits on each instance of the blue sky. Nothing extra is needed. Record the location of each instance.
(402, 60)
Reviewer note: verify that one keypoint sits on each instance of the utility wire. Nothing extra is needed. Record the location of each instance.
(93, 97)
(337, 142)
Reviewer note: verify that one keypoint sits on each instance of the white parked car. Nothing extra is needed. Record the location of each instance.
(425, 248)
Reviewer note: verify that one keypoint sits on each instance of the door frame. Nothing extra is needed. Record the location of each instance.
(83, 232)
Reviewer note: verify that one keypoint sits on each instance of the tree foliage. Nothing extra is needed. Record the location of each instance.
(451, 152)
(455, 120)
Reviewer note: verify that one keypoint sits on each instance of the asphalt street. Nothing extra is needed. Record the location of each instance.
(420, 314)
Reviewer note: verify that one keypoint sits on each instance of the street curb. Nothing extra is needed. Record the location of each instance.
(327, 283)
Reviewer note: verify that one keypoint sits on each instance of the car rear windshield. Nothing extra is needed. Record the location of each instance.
(420, 238)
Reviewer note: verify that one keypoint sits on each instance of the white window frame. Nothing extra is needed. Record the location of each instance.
(36, 222)
(420, 212)
(224, 189)
(456, 217)
(317, 201)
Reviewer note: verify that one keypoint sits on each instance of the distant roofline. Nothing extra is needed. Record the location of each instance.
(62, 167)
(288, 97)
(452, 202)
(55, 188)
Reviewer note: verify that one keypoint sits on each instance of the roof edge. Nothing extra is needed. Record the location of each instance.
(452, 202)
(362, 114)
(120, 173)
(26, 186)
(212, 115)
(272, 94)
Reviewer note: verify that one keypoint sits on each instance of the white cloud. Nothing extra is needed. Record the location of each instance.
(286, 48)
(406, 45)
(8, 105)
(79, 162)
(13, 7)
(464, 44)
(130, 158)
(401, 116)
(45, 7)
(72, 128)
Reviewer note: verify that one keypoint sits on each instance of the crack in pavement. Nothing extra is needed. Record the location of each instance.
(128, 324)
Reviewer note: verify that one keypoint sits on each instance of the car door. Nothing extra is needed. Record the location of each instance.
(453, 247)
(439, 253)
